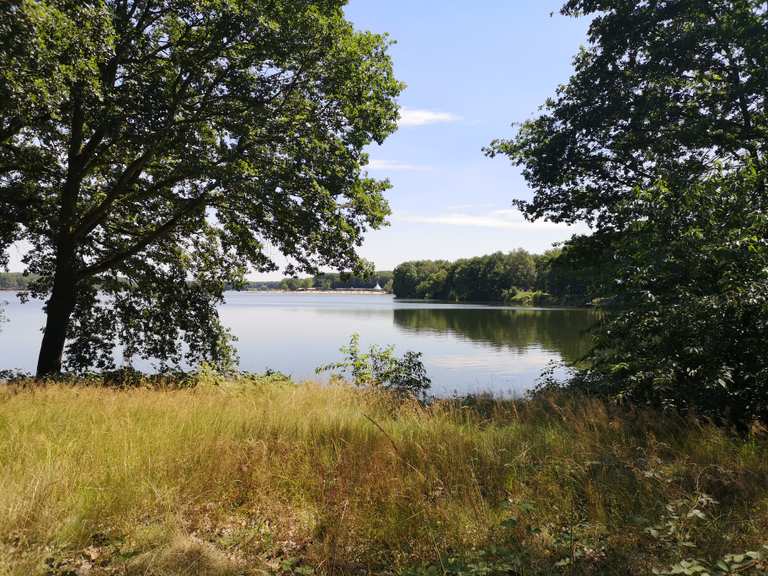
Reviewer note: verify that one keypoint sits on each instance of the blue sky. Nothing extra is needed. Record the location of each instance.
(471, 69)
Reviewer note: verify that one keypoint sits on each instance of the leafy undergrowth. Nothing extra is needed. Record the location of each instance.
(260, 476)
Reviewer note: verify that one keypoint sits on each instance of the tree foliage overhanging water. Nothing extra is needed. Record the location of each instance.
(658, 140)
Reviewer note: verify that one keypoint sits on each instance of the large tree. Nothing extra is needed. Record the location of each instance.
(665, 89)
(153, 151)
(660, 141)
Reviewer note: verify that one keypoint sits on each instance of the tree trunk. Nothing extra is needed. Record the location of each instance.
(58, 311)
(60, 305)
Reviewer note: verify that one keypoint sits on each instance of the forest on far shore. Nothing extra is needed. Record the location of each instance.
(15, 280)
(516, 277)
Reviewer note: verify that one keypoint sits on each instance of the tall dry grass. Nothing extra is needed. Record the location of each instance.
(247, 477)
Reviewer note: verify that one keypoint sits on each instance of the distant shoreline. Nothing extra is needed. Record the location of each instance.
(360, 292)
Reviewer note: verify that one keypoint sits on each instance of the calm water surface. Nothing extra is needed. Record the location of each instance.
(466, 347)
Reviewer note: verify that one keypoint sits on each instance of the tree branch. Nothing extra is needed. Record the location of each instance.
(70, 189)
(132, 172)
(129, 176)
(153, 236)
(13, 128)
(76, 129)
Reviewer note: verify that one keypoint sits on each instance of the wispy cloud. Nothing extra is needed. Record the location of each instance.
(420, 117)
(395, 166)
(459, 207)
(507, 218)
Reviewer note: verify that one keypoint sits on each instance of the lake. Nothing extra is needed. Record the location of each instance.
(467, 347)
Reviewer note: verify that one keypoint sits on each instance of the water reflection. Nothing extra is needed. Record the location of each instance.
(561, 331)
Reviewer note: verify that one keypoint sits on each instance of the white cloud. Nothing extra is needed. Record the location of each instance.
(395, 166)
(460, 207)
(419, 117)
(506, 218)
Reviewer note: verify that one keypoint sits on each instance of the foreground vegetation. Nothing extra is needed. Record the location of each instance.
(257, 475)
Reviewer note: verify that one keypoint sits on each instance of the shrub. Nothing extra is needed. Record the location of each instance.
(694, 292)
(379, 367)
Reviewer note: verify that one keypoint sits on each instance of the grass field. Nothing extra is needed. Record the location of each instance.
(259, 476)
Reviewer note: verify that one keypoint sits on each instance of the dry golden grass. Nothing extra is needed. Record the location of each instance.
(252, 477)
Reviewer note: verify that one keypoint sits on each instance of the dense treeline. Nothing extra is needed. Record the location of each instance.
(15, 280)
(258, 285)
(326, 281)
(335, 281)
(515, 277)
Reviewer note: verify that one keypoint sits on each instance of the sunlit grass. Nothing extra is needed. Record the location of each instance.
(245, 476)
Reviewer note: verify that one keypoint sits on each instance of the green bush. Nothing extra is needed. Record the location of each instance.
(694, 286)
(379, 367)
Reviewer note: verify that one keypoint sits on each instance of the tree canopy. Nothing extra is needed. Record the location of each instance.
(665, 89)
(152, 151)
(659, 141)
(693, 278)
